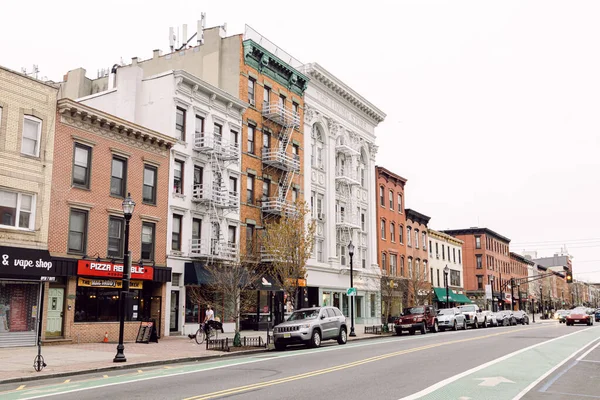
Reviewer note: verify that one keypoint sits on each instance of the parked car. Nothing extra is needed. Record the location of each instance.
(420, 318)
(597, 315)
(311, 326)
(475, 317)
(451, 318)
(521, 317)
(562, 316)
(505, 318)
(579, 316)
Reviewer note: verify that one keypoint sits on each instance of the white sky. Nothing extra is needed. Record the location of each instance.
(492, 107)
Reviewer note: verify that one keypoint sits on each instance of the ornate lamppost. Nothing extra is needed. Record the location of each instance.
(351, 254)
(446, 272)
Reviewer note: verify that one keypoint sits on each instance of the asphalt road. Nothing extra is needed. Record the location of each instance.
(493, 363)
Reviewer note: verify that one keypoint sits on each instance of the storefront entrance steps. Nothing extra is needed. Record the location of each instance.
(16, 363)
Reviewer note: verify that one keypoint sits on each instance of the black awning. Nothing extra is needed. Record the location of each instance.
(268, 283)
(162, 274)
(195, 274)
(26, 263)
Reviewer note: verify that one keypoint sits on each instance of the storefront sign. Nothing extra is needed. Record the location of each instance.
(108, 283)
(110, 270)
(25, 262)
(296, 282)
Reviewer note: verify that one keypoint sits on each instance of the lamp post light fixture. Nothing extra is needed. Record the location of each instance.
(446, 272)
(128, 207)
(351, 254)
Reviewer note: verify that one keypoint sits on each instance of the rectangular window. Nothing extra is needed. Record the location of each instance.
(251, 84)
(178, 177)
(408, 233)
(176, 233)
(393, 233)
(391, 199)
(233, 136)
(266, 96)
(477, 242)
(401, 266)
(199, 126)
(393, 259)
(198, 175)
(231, 234)
(410, 271)
(362, 177)
(249, 239)
(294, 195)
(401, 234)
(118, 178)
(399, 203)
(233, 186)
(295, 151)
(454, 278)
(438, 277)
(250, 189)
(430, 249)
(266, 187)
(383, 229)
(295, 110)
(282, 100)
(218, 132)
(383, 262)
(416, 238)
(149, 195)
(362, 222)
(454, 254)
(448, 252)
(479, 261)
(443, 252)
(250, 145)
(82, 157)
(17, 210)
(319, 204)
(424, 240)
(320, 157)
(320, 250)
(180, 124)
(30, 142)
(459, 261)
(266, 140)
(479, 282)
(381, 198)
(196, 230)
(116, 229)
(148, 234)
(78, 221)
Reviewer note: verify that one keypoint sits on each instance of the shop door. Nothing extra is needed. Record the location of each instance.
(55, 312)
(174, 320)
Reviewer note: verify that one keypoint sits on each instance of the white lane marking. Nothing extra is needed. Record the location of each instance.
(255, 360)
(541, 378)
(493, 381)
(592, 361)
(584, 355)
(454, 378)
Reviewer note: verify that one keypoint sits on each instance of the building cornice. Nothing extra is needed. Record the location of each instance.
(196, 83)
(97, 119)
(390, 176)
(444, 236)
(520, 258)
(416, 216)
(320, 74)
(476, 231)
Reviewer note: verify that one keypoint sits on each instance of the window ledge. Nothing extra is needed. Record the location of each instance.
(31, 156)
(150, 218)
(87, 189)
(8, 228)
(78, 204)
(179, 195)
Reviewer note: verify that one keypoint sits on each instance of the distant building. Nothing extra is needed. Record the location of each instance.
(420, 291)
(446, 251)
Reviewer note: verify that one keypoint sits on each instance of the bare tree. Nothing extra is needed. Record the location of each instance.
(289, 242)
(390, 295)
(419, 286)
(199, 295)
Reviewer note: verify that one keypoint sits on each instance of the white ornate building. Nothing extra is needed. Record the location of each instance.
(340, 188)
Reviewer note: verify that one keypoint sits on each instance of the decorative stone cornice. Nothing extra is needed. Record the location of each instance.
(84, 117)
(320, 74)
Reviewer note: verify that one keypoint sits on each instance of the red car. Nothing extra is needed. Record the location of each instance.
(579, 316)
(419, 318)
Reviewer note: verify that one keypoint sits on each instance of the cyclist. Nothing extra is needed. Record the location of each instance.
(209, 315)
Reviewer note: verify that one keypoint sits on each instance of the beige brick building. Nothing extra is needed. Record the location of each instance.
(27, 120)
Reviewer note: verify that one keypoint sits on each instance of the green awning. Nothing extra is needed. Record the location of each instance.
(454, 297)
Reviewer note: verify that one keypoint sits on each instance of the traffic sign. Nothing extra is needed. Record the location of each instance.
(351, 291)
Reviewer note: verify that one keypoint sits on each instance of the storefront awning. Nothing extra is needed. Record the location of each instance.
(26, 263)
(461, 298)
(440, 293)
(197, 274)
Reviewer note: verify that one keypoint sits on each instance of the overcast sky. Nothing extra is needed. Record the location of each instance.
(492, 107)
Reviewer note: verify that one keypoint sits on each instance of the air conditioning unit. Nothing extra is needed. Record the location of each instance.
(437, 256)
(252, 103)
(321, 216)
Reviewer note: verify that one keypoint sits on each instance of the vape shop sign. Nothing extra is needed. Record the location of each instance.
(17, 261)
(110, 270)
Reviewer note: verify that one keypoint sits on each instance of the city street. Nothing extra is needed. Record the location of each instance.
(538, 361)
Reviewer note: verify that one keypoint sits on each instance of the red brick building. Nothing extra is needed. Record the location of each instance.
(418, 279)
(99, 160)
(518, 269)
(391, 247)
(486, 261)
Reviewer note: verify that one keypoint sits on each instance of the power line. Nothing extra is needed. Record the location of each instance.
(559, 241)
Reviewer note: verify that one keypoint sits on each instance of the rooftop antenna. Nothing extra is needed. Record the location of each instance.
(171, 38)
(33, 73)
(200, 30)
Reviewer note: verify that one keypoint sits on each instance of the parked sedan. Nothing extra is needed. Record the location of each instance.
(311, 326)
(521, 317)
(579, 316)
(505, 318)
(597, 315)
(451, 318)
(562, 316)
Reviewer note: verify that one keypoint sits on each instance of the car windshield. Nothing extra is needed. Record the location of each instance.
(414, 310)
(447, 311)
(563, 312)
(304, 314)
(467, 308)
(503, 312)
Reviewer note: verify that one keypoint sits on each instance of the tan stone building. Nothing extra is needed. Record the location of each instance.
(27, 116)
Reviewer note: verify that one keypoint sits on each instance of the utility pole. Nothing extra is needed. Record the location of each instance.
(512, 294)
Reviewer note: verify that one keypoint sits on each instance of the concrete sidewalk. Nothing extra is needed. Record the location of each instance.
(16, 363)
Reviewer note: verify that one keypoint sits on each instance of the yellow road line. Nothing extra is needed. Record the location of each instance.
(305, 375)
(21, 387)
(140, 371)
(67, 381)
(105, 376)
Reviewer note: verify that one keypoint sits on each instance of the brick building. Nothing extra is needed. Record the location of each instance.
(103, 159)
(446, 251)
(27, 113)
(519, 269)
(486, 261)
(391, 247)
(419, 287)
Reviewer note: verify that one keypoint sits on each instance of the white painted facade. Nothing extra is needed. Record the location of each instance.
(208, 207)
(445, 250)
(339, 148)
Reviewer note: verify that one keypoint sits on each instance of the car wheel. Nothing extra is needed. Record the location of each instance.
(424, 328)
(475, 324)
(465, 325)
(485, 323)
(454, 326)
(398, 332)
(505, 322)
(343, 337)
(435, 328)
(279, 346)
(412, 331)
(315, 339)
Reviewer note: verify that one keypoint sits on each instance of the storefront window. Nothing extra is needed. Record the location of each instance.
(326, 298)
(18, 306)
(102, 305)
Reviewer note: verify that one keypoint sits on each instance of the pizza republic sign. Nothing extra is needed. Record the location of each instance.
(24, 262)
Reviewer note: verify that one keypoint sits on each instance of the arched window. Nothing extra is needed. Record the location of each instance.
(383, 262)
(317, 145)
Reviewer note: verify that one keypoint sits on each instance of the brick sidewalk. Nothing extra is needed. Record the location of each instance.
(16, 363)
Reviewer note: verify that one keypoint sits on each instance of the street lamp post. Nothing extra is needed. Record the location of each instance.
(512, 294)
(492, 285)
(351, 254)
(128, 206)
(446, 271)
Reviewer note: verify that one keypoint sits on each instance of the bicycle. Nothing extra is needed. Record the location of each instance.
(201, 334)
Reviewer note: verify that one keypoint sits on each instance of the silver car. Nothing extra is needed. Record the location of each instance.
(451, 318)
(311, 326)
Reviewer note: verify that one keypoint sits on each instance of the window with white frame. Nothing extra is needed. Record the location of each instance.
(381, 197)
(32, 130)
(424, 240)
(393, 267)
(408, 233)
(399, 203)
(410, 270)
(417, 238)
(383, 261)
(393, 232)
(401, 234)
(391, 199)
(17, 209)
(383, 229)
(320, 257)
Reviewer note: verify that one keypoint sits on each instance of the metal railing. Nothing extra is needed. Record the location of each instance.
(275, 205)
(280, 159)
(347, 219)
(346, 148)
(217, 195)
(277, 113)
(214, 143)
(348, 175)
(213, 248)
(226, 344)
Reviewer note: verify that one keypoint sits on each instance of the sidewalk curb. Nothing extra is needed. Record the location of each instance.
(154, 363)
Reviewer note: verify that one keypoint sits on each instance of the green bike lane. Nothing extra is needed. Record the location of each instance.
(513, 375)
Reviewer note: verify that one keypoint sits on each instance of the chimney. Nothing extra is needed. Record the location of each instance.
(134, 61)
(184, 39)
(156, 53)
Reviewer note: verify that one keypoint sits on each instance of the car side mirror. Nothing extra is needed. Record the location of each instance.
(322, 316)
